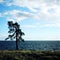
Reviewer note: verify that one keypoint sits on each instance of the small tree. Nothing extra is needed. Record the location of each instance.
(15, 32)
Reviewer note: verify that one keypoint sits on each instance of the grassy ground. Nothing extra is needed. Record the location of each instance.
(29, 55)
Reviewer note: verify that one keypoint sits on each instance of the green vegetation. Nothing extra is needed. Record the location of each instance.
(29, 55)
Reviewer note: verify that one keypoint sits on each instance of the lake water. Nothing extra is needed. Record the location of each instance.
(31, 45)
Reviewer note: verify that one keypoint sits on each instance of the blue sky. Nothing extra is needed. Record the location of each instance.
(39, 19)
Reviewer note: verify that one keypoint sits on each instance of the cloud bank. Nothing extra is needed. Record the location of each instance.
(46, 9)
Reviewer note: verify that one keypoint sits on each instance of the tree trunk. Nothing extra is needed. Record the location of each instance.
(16, 40)
(17, 45)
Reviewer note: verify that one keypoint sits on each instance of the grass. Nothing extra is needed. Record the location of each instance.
(29, 55)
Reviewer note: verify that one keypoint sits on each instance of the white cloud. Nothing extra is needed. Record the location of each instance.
(16, 15)
(44, 5)
(52, 25)
(0, 15)
(2, 37)
(1, 1)
(29, 26)
(38, 25)
(30, 4)
(45, 9)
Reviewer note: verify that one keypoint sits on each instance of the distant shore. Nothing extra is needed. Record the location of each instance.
(29, 55)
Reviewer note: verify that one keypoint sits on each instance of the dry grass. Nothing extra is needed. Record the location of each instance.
(29, 55)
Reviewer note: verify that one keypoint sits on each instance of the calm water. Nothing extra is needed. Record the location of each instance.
(31, 45)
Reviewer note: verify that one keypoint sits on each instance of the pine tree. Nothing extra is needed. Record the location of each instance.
(15, 32)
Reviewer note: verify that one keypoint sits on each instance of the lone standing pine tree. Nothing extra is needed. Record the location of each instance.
(15, 32)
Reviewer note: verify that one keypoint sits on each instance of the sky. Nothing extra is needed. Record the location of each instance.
(38, 19)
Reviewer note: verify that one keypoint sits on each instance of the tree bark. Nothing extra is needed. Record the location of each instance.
(16, 40)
